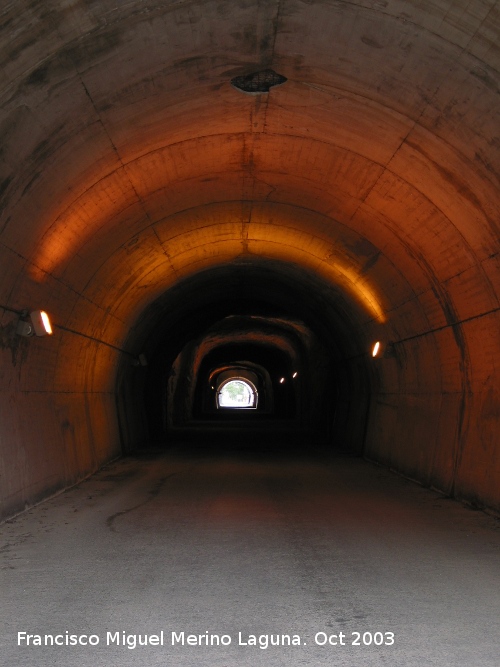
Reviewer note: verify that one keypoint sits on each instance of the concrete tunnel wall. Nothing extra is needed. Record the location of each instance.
(129, 163)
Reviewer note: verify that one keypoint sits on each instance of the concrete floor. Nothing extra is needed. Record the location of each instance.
(262, 546)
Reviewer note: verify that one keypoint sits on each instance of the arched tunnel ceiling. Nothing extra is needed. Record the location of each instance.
(129, 160)
(258, 291)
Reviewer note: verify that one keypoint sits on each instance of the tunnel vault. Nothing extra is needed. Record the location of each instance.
(144, 200)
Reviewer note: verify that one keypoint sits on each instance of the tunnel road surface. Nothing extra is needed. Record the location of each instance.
(337, 561)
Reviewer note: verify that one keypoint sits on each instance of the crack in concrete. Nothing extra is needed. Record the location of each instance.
(153, 493)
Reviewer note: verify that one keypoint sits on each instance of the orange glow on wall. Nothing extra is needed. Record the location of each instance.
(103, 204)
(201, 238)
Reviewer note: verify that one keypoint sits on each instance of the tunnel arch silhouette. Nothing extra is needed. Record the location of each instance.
(365, 187)
(281, 318)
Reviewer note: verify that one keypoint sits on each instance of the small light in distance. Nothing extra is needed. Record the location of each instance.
(295, 374)
(282, 380)
(376, 349)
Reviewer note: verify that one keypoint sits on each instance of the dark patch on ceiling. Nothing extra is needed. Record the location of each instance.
(5, 184)
(258, 82)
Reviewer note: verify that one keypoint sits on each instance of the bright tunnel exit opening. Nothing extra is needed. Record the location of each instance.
(237, 393)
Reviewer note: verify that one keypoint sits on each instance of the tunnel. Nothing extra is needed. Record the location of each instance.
(284, 329)
(301, 178)
(249, 332)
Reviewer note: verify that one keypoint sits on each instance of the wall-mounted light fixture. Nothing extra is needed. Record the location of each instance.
(383, 350)
(36, 323)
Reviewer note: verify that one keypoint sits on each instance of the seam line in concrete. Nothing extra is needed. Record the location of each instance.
(447, 326)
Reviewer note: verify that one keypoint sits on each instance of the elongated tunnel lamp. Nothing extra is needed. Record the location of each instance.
(383, 350)
(38, 324)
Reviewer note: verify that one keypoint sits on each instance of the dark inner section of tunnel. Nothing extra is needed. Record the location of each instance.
(269, 369)
(286, 330)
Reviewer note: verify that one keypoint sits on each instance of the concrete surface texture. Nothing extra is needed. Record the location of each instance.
(143, 197)
(261, 546)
